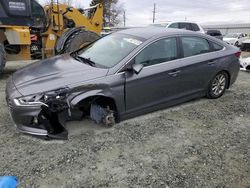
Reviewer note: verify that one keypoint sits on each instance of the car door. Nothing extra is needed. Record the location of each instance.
(156, 82)
(199, 64)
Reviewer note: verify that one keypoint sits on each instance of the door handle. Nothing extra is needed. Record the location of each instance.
(174, 73)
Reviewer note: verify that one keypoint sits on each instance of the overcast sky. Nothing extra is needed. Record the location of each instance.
(139, 12)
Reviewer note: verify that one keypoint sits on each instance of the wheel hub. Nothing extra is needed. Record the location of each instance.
(219, 84)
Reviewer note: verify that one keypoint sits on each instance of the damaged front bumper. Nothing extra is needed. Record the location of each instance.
(38, 120)
(26, 119)
(44, 119)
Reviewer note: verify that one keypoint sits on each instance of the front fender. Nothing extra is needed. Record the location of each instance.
(79, 97)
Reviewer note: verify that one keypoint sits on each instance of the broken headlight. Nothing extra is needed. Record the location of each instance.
(43, 98)
(59, 94)
(31, 100)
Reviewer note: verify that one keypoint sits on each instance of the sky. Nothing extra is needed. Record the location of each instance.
(206, 12)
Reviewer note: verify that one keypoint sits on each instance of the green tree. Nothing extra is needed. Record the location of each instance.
(112, 11)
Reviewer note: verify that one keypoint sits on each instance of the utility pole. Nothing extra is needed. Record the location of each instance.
(154, 11)
(124, 18)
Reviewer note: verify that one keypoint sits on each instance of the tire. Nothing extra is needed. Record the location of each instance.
(78, 40)
(2, 58)
(218, 85)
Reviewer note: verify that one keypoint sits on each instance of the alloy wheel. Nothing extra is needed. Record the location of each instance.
(219, 84)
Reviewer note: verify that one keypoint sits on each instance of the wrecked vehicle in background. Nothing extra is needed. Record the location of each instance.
(122, 75)
(235, 39)
(245, 63)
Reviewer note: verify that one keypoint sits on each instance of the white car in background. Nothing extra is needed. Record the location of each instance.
(245, 63)
(235, 39)
(181, 25)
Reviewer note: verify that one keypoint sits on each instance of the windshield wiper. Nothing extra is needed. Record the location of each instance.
(84, 60)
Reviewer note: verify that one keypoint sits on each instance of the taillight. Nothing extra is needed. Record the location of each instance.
(237, 54)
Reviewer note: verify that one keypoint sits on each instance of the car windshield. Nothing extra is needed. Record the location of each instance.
(110, 50)
(232, 35)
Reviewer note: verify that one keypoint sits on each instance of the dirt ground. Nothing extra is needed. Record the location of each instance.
(202, 143)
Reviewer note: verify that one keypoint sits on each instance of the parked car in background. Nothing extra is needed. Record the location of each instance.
(215, 33)
(191, 26)
(123, 75)
(235, 39)
(245, 63)
(245, 45)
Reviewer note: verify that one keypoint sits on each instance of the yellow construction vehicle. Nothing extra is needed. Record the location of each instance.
(30, 31)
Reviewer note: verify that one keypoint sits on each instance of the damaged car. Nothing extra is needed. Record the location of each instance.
(245, 63)
(120, 76)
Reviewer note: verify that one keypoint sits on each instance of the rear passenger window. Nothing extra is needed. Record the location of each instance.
(216, 47)
(161, 51)
(195, 27)
(194, 46)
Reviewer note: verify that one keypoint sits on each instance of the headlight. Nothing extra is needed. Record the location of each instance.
(42, 98)
(32, 100)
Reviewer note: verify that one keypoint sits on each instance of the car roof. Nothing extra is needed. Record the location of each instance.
(149, 32)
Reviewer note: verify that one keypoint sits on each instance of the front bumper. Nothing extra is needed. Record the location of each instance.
(24, 118)
(28, 119)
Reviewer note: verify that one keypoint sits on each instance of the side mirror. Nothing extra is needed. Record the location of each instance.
(137, 68)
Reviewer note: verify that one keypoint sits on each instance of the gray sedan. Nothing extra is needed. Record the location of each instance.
(123, 75)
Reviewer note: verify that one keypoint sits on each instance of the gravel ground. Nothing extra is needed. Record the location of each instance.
(202, 143)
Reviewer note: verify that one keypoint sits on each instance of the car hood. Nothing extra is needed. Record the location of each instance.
(54, 73)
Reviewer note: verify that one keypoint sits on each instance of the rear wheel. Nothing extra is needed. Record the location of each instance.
(218, 85)
(2, 58)
(79, 39)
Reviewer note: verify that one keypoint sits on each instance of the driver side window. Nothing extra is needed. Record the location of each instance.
(161, 51)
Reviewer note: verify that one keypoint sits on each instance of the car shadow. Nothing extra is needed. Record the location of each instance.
(85, 125)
